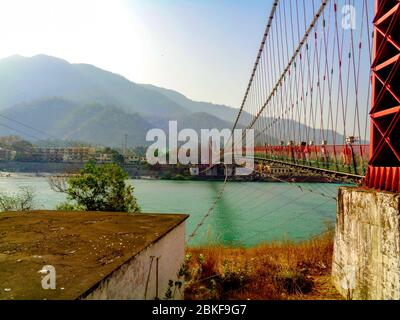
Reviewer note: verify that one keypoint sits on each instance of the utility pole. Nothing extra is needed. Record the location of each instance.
(126, 144)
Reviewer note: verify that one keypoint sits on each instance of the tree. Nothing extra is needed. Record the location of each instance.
(98, 188)
(116, 157)
(22, 146)
(21, 201)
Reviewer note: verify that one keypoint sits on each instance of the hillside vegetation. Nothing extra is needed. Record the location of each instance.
(82, 102)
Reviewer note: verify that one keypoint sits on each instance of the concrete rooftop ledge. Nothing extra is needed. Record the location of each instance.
(85, 248)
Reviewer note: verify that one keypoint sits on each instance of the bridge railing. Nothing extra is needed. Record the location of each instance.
(343, 158)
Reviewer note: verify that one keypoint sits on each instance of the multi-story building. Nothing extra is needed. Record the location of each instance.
(143, 160)
(79, 154)
(73, 154)
(103, 157)
(7, 155)
(70, 155)
(132, 159)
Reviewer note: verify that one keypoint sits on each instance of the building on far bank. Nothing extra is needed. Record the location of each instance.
(102, 157)
(143, 160)
(131, 159)
(72, 154)
(212, 171)
(78, 154)
(194, 171)
(229, 170)
(7, 155)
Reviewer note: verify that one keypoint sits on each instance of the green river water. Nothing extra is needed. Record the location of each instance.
(247, 214)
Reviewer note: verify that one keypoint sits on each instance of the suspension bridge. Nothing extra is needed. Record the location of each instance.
(323, 99)
(310, 99)
(323, 95)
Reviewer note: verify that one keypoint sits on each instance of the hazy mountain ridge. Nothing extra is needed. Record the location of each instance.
(221, 111)
(61, 119)
(26, 79)
(85, 103)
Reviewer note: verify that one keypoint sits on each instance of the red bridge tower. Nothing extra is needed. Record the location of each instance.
(384, 166)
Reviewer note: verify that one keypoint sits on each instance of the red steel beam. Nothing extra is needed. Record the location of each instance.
(384, 165)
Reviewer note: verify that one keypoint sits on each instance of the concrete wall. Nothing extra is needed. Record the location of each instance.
(366, 259)
(129, 281)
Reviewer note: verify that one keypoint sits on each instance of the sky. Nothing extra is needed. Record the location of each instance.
(204, 49)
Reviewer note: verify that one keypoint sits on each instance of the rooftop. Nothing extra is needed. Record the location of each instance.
(84, 247)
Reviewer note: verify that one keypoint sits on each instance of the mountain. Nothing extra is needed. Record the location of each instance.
(223, 112)
(44, 97)
(79, 101)
(26, 79)
(61, 119)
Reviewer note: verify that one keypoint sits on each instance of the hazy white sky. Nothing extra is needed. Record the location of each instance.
(202, 48)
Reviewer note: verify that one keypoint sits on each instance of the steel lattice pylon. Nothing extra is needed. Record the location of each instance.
(384, 166)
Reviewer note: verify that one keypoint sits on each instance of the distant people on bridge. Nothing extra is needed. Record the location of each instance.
(325, 153)
(307, 151)
(302, 151)
(347, 155)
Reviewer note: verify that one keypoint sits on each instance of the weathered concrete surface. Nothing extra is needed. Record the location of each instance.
(89, 251)
(145, 278)
(366, 258)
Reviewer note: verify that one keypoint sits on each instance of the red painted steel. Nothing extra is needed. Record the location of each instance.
(384, 165)
(343, 153)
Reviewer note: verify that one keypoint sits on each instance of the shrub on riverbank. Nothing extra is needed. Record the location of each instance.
(97, 188)
(23, 200)
(273, 271)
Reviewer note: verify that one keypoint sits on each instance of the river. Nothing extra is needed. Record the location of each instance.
(247, 214)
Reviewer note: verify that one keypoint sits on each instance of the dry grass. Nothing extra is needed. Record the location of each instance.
(276, 271)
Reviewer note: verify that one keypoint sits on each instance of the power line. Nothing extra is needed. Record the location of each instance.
(27, 126)
(21, 132)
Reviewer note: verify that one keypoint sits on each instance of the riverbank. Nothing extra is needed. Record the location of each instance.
(146, 172)
(134, 171)
(274, 271)
(45, 168)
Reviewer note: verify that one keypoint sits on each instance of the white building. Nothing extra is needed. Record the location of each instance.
(103, 158)
(194, 171)
(131, 159)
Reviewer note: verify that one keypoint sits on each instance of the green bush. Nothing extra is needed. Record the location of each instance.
(100, 188)
(67, 206)
(166, 176)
